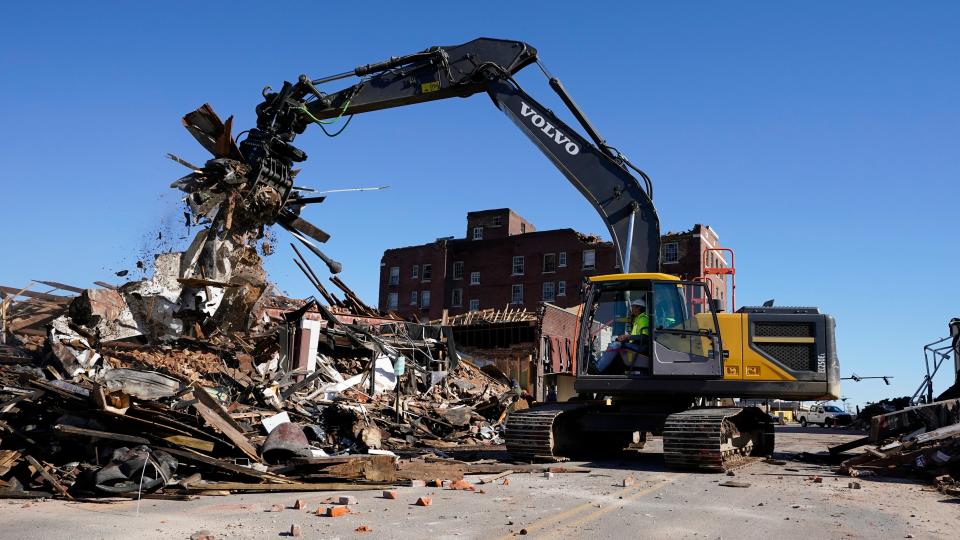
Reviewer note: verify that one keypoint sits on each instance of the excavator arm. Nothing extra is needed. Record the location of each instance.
(597, 170)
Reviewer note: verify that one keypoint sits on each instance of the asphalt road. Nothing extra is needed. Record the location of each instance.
(781, 502)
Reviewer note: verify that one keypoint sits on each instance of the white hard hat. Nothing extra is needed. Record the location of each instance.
(639, 302)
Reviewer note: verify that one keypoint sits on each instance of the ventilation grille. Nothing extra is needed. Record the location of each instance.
(763, 329)
(796, 356)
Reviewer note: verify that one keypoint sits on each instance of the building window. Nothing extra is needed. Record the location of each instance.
(497, 221)
(562, 259)
(478, 233)
(392, 299)
(589, 259)
(474, 304)
(517, 268)
(456, 299)
(413, 298)
(523, 228)
(394, 275)
(474, 278)
(671, 252)
(427, 272)
(425, 299)
(416, 271)
(561, 288)
(549, 291)
(549, 262)
(458, 270)
(516, 293)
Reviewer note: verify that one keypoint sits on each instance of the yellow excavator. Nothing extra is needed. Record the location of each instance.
(656, 377)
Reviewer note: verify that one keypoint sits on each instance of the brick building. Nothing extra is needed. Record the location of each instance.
(685, 254)
(503, 260)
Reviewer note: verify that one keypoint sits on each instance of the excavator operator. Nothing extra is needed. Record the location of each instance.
(640, 321)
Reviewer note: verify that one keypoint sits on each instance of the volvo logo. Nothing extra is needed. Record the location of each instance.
(548, 129)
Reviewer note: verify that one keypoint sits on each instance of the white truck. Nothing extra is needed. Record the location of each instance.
(825, 415)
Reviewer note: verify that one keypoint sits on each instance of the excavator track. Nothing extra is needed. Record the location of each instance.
(533, 434)
(715, 440)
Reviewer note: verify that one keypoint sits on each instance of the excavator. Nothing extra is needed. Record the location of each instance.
(661, 380)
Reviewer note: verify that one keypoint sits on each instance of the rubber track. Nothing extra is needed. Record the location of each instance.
(693, 439)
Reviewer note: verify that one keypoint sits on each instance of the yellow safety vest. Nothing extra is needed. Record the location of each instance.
(641, 325)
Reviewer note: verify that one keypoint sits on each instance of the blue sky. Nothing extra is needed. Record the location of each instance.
(819, 140)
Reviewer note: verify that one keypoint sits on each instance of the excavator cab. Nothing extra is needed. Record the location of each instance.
(648, 325)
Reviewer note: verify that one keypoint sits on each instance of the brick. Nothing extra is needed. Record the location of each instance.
(424, 501)
(299, 504)
(817, 480)
(334, 511)
(276, 508)
(628, 481)
(446, 483)
(435, 483)
(506, 482)
(347, 499)
(548, 474)
(415, 483)
(462, 485)
(854, 485)
(363, 529)
(202, 535)
(389, 494)
(295, 530)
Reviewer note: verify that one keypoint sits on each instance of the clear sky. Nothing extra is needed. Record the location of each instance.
(819, 139)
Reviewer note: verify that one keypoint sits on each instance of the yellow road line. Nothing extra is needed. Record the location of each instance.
(555, 519)
(617, 506)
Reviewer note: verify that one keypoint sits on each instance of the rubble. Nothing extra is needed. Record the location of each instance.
(921, 441)
(202, 379)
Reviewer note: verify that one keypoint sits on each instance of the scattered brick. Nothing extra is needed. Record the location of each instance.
(506, 482)
(462, 485)
(415, 483)
(548, 474)
(347, 499)
(389, 494)
(363, 529)
(445, 483)
(628, 481)
(817, 480)
(854, 485)
(299, 504)
(436, 483)
(424, 501)
(334, 511)
(276, 508)
(295, 530)
(202, 535)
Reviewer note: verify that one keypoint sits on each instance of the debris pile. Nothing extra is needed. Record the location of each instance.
(919, 441)
(203, 379)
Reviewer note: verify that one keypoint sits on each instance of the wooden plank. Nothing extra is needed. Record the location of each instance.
(373, 468)
(219, 419)
(190, 442)
(224, 465)
(17, 494)
(300, 486)
(96, 434)
(495, 477)
(48, 477)
(856, 443)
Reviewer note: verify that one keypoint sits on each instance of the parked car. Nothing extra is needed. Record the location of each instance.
(826, 415)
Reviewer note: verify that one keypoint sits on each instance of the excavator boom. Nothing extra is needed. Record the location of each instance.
(598, 171)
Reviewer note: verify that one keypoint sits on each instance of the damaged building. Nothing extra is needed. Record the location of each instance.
(505, 261)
